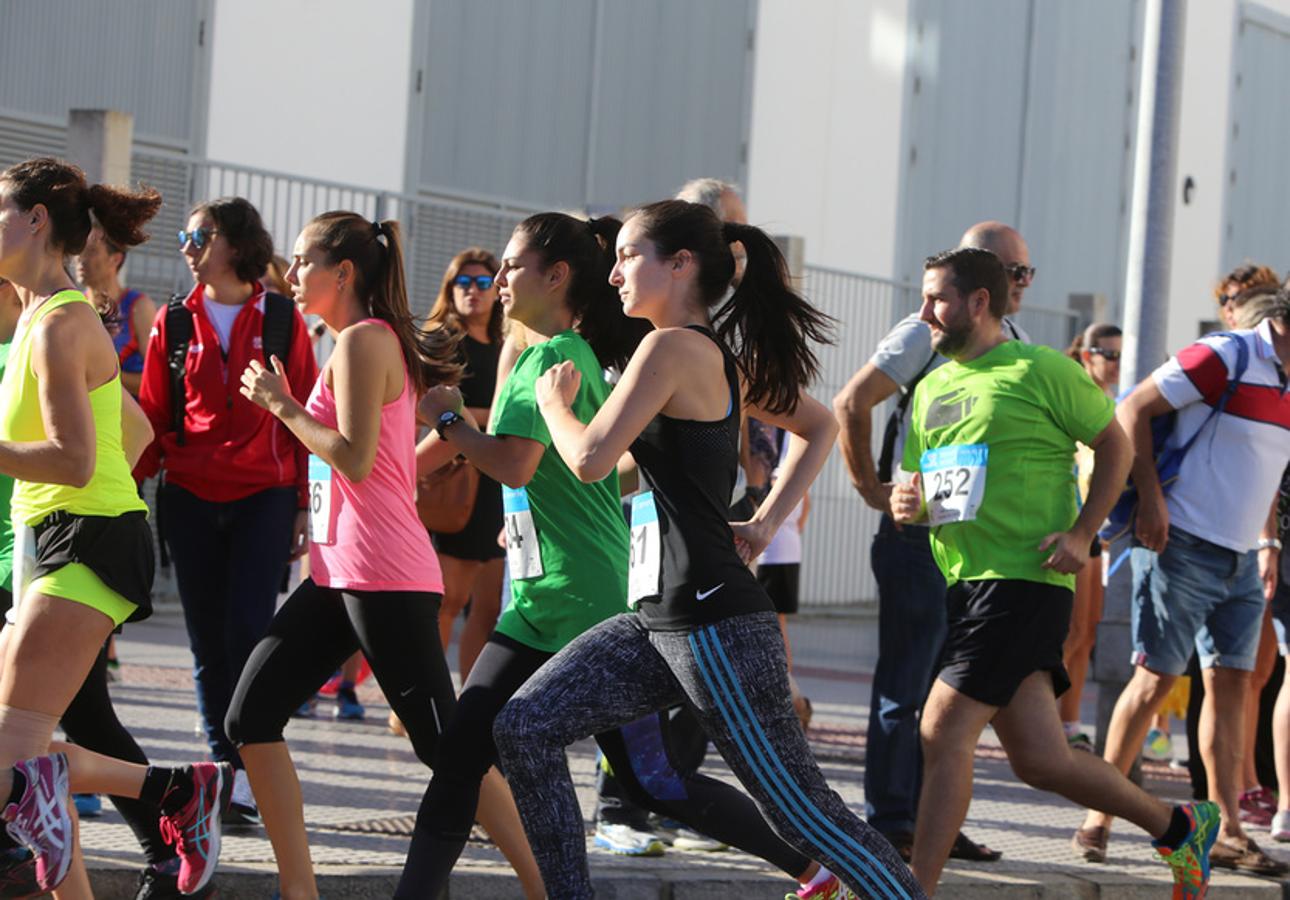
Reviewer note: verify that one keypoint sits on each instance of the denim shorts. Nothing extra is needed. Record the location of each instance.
(1195, 595)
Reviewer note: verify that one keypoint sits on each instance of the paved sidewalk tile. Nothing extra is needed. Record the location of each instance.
(362, 786)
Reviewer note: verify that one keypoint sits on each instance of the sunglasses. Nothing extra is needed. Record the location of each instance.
(482, 282)
(1108, 355)
(1020, 274)
(199, 236)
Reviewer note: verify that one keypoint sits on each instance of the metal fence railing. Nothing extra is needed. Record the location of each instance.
(435, 228)
(835, 561)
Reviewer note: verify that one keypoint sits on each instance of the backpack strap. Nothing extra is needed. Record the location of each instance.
(179, 334)
(279, 317)
(893, 423)
(1238, 371)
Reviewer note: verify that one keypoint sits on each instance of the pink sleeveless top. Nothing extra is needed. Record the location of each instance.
(373, 539)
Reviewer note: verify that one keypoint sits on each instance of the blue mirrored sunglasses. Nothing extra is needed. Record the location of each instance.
(482, 282)
(199, 237)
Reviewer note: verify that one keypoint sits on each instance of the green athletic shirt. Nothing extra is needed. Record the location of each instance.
(582, 534)
(6, 492)
(1028, 405)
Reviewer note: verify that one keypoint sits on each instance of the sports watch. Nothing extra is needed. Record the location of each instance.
(446, 418)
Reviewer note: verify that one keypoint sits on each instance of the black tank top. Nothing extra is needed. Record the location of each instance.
(689, 468)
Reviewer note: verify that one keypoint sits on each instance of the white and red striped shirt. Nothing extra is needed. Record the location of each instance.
(1229, 477)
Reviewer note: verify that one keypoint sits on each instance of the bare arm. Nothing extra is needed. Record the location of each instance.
(1134, 414)
(853, 407)
(812, 430)
(360, 371)
(1112, 456)
(592, 451)
(1270, 557)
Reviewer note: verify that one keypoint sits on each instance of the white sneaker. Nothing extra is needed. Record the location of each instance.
(627, 840)
(242, 789)
(1281, 826)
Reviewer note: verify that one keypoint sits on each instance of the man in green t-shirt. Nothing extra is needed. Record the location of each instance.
(992, 442)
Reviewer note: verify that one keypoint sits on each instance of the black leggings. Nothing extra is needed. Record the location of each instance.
(91, 722)
(319, 628)
(467, 751)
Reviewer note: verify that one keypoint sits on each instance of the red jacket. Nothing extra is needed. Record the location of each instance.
(232, 448)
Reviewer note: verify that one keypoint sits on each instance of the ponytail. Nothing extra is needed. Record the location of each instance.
(74, 206)
(588, 248)
(375, 250)
(767, 325)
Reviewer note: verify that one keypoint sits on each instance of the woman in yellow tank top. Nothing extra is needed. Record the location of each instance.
(61, 440)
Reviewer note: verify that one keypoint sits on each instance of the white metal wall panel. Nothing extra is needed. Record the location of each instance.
(1022, 110)
(580, 104)
(132, 55)
(1258, 199)
(965, 91)
(1074, 186)
(671, 101)
(506, 86)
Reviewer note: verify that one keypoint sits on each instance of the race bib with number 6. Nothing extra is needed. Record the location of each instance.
(647, 552)
(320, 501)
(954, 482)
(523, 556)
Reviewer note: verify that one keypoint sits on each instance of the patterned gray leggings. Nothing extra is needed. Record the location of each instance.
(734, 675)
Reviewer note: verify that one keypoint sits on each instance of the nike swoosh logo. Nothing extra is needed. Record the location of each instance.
(704, 595)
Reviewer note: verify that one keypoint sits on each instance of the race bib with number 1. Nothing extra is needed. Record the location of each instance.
(954, 482)
(523, 555)
(647, 550)
(320, 501)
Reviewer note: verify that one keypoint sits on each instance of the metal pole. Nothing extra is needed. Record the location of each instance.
(1155, 172)
(1146, 300)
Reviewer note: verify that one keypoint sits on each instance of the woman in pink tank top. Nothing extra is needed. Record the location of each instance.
(376, 584)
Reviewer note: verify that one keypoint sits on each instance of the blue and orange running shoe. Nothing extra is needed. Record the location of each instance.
(1190, 859)
(194, 828)
(40, 820)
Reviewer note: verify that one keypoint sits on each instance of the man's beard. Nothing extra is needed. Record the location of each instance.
(953, 339)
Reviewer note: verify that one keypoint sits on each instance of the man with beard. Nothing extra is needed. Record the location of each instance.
(911, 590)
(991, 438)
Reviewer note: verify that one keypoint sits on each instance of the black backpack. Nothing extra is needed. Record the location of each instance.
(278, 313)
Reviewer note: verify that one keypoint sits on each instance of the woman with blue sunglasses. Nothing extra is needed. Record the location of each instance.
(235, 494)
(468, 304)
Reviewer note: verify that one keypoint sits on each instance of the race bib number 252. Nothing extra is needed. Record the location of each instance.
(954, 482)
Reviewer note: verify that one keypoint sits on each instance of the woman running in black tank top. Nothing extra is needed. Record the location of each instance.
(703, 631)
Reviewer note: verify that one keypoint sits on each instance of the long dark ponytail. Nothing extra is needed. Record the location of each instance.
(766, 324)
(588, 248)
(376, 252)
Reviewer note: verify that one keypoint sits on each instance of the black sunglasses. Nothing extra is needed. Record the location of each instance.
(482, 282)
(1020, 274)
(1108, 355)
(199, 236)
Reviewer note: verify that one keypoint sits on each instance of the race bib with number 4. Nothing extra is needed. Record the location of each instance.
(647, 550)
(523, 555)
(954, 482)
(320, 501)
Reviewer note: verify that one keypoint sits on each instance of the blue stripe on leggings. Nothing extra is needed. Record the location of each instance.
(755, 727)
(860, 872)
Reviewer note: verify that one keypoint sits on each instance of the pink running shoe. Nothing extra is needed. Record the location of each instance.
(40, 820)
(194, 830)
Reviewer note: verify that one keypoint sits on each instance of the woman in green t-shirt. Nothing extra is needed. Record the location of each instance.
(567, 544)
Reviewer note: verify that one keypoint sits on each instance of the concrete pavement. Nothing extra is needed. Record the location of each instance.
(362, 786)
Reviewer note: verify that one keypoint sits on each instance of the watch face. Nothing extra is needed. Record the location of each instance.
(446, 417)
